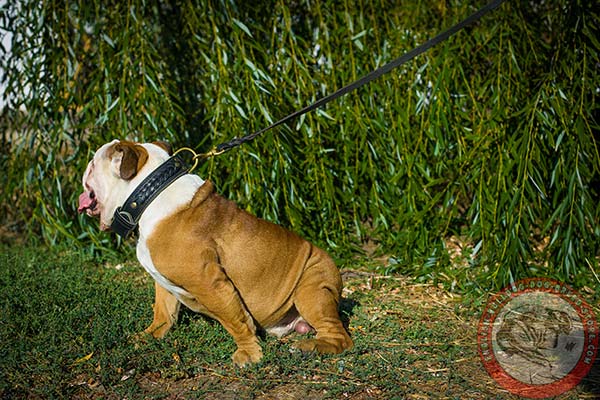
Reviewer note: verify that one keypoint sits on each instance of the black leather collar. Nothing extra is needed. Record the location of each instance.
(127, 216)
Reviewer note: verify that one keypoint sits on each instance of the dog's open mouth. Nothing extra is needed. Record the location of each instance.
(88, 203)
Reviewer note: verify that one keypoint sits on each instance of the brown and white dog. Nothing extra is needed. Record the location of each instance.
(204, 252)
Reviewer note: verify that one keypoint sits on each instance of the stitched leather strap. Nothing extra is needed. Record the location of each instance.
(493, 4)
(127, 216)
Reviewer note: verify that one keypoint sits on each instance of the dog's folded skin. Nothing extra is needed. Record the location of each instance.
(204, 252)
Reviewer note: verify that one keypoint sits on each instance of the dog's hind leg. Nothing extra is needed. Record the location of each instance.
(316, 298)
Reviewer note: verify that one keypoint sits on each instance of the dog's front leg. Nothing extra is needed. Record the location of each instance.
(213, 289)
(166, 309)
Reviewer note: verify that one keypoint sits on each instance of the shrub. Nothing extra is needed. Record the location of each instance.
(488, 141)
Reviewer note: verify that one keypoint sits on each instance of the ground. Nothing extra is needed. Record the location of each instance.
(412, 341)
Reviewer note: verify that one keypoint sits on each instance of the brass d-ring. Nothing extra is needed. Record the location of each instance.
(195, 157)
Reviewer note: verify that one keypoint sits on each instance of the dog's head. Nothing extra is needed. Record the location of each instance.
(115, 171)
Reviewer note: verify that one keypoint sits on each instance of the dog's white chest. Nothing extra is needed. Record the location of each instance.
(143, 255)
(179, 193)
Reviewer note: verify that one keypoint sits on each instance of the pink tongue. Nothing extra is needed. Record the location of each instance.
(85, 202)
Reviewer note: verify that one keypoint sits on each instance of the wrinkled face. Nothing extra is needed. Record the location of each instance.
(113, 174)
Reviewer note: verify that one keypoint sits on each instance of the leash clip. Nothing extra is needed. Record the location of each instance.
(202, 156)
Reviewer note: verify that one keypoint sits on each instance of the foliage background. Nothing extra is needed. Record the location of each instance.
(485, 146)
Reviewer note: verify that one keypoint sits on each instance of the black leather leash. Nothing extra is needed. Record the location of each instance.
(127, 216)
(226, 146)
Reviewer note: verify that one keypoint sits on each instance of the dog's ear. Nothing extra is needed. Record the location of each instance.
(165, 146)
(127, 159)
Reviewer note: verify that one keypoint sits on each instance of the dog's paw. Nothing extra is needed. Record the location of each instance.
(321, 346)
(243, 357)
(157, 330)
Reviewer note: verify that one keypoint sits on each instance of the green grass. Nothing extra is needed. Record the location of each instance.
(67, 326)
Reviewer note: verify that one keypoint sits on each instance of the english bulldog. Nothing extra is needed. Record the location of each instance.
(218, 260)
